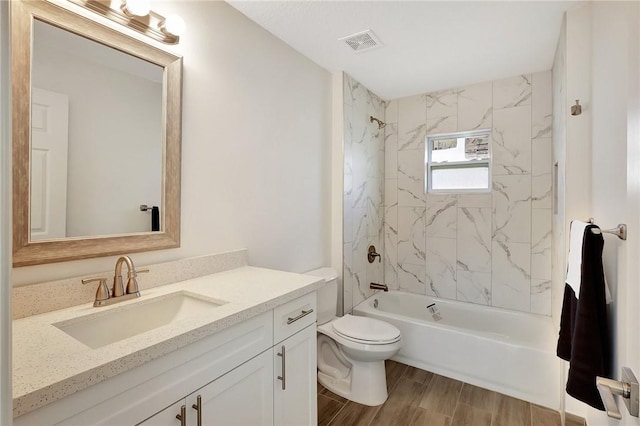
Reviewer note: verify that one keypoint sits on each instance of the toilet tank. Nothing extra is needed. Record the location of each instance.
(327, 294)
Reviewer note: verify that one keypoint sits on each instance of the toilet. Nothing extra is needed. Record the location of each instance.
(352, 349)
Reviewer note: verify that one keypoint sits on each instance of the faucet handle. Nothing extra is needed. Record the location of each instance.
(372, 254)
(132, 282)
(102, 293)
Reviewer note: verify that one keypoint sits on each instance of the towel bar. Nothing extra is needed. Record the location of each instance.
(620, 231)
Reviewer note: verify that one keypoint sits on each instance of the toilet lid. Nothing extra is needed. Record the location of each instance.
(366, 329)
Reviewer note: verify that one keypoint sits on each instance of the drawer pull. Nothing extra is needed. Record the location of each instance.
(182, 416)
(302, 314)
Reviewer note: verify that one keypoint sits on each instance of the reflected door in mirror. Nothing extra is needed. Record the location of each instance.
(49, 142)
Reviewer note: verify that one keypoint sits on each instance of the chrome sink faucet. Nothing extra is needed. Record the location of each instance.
(104, 297)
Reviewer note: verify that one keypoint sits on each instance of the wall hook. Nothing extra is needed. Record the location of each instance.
(577, 108)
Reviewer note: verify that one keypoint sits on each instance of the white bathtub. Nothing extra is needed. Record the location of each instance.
(506, 351)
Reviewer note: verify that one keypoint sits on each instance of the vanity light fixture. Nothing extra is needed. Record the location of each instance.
(173, 25)
(133, 8)
(137, 14)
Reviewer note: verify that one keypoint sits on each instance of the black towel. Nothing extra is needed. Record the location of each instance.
(155, 218)
(584, 333)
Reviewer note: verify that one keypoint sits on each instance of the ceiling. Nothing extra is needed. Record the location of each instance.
(427, 45)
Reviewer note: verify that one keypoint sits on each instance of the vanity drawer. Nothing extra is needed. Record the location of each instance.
(293, 316)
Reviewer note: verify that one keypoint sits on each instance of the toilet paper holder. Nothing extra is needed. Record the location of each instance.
(628, 388)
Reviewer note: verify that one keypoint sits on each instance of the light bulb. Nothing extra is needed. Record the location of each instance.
(173, 25)
(136, 7)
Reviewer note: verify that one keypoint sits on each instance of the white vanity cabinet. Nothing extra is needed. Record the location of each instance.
(278, 387)
(167, 417)
(236, 373)
(243, 396)
(295, 400)
(295, 354)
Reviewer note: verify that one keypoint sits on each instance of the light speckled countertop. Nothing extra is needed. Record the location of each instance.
(48, 364)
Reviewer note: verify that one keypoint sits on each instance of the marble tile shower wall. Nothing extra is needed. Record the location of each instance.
(492, 249)
(363, 190)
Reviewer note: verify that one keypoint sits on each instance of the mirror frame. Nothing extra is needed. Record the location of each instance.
(27, 252)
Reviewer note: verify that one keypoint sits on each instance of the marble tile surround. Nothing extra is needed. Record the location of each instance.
(364, 210)
(492, 249)
(53, 295)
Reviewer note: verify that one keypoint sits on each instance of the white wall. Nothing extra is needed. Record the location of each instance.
(573, 153)
(560, 109)
(115, 133)
(615, 55)
(559, 235)
(255, 150)
(6, 400)
(601, 173)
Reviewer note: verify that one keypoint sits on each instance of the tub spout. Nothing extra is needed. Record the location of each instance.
(376, 286)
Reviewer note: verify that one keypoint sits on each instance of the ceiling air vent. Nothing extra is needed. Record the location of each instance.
(362, 41)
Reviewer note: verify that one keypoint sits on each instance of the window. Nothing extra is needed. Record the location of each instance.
(458, 162)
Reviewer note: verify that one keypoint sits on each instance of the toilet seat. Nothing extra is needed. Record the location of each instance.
(365, 330)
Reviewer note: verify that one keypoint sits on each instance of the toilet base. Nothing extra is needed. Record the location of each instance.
(366, 383)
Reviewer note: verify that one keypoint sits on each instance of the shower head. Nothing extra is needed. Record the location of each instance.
(381, 123)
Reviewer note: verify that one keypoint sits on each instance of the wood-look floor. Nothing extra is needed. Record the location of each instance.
(418, 397)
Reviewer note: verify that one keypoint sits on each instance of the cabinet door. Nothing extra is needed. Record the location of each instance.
(243, 396)
(295, 401)
(166, 417)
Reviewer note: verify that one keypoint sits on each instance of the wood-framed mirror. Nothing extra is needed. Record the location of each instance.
(123, 139)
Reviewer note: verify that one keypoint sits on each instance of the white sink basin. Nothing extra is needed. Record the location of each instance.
(103, 328)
